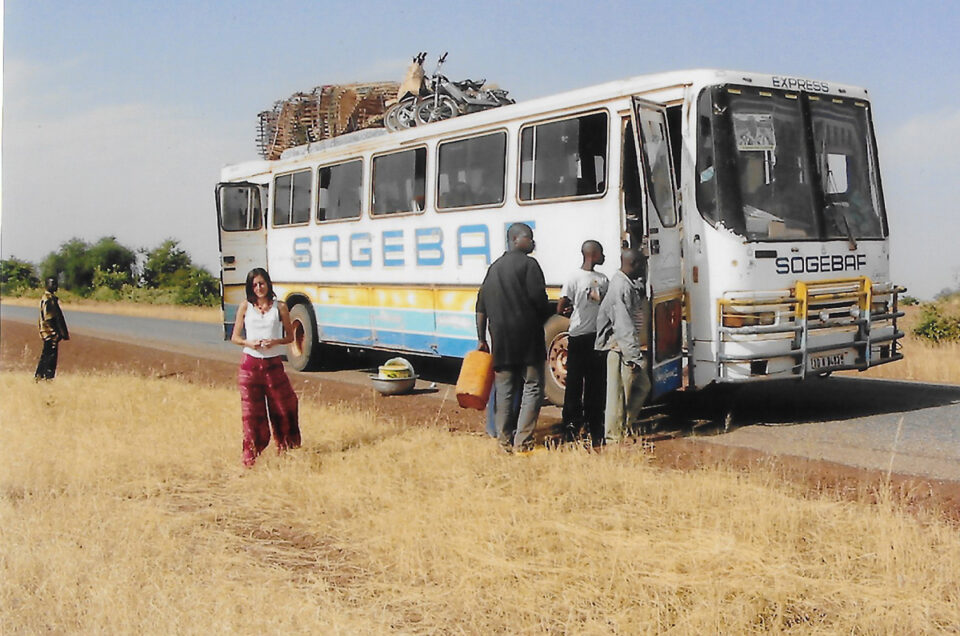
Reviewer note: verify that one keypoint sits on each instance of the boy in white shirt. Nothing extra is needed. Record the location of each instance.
(580, 298)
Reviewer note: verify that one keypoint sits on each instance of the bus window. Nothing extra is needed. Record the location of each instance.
(339, 187)
(657, 153)
(762, 165)
(566, 158)
(783, 165)
(842, 142)
(659, 180)
(291, 198)
(471, 171)
(239, 208)
(658, 173)
(399, 182)
(706, 163)
(630, 178)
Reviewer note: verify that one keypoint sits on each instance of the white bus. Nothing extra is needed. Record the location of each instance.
(756, 197)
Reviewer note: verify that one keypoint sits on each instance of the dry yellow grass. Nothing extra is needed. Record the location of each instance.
(168, 312)
(125, 511)
(923, 361)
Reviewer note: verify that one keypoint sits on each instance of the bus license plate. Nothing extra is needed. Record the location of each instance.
(828, 361)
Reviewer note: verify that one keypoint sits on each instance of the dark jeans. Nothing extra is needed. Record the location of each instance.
(584, 398)
(47, 367)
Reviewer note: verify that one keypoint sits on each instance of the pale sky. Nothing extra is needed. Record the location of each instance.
(118, 115)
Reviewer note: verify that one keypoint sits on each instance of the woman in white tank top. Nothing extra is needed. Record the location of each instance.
(262, 328)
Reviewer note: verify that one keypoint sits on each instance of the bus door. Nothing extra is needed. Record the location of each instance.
(654, 226)
(243, 241)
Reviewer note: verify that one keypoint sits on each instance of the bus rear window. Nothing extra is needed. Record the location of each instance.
(339, 190)
(471, 171)
(239, 207)
(566, 158)
(291, 198)
(399, 182)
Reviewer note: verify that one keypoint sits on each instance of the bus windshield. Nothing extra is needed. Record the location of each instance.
(787, 165)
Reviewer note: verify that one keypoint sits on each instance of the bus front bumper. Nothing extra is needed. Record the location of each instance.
(814, 328)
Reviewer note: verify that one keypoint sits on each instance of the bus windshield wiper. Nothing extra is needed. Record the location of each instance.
(827, 189)
(846, 227)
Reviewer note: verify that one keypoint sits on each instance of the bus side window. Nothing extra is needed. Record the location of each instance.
(258, 201)
(292, 198)
(339, 189)
(399, 182)
(566, 158)
(470, 172)
(240, 208)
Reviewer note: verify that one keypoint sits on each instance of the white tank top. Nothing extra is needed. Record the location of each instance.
(262, 327)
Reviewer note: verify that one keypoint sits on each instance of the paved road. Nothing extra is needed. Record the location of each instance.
(905, 427)
(172, 335)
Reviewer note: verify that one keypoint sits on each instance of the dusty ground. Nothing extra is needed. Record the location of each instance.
(20, 348)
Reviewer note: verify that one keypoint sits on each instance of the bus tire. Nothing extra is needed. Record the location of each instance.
(303, 352)
(555, 367)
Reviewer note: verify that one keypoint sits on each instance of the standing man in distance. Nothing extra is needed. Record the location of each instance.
(513, 301)
(621, 330)
(580, 298)
(53, 329)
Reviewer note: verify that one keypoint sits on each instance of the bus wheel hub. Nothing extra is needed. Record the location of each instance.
(557, 358)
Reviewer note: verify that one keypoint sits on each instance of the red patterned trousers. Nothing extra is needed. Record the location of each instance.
(267, 398)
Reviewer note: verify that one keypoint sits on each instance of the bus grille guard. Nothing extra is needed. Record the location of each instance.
(814, 328)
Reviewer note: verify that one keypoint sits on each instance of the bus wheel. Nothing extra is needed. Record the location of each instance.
(303, 352)
(555, 368)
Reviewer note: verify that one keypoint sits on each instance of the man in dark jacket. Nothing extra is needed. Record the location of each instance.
(53, 329)
(513, 302)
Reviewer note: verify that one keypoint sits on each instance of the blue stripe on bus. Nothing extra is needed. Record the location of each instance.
(422, 343)
(444, 323)
(446, 333)
(398, 319)
(348, 335)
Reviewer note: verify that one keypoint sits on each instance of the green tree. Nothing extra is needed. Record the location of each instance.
(166, 265)
(110, 257)
(17, 275)
(200, 288)
(169, 267)
(70, 264)
(78, 262)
